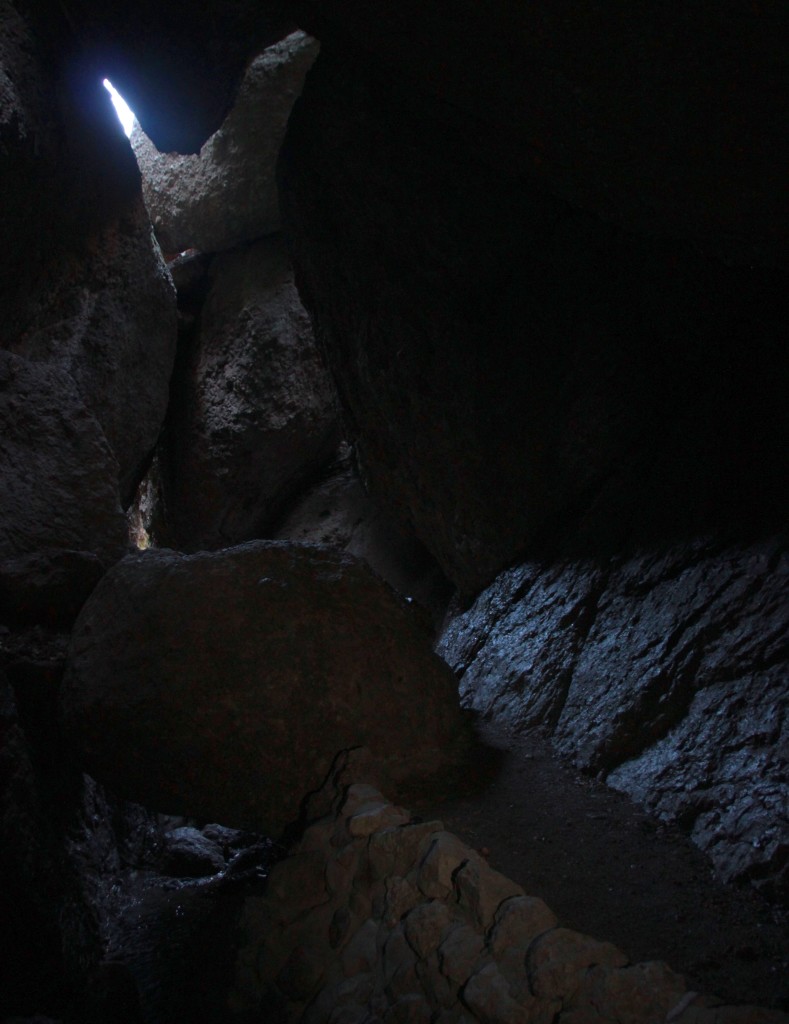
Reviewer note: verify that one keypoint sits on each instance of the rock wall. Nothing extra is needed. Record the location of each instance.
(666, 674)
(545, 262)
(88, 327)
(254, 415)
(85, 288)
(375, 916)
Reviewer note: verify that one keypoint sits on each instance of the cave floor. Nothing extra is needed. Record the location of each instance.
(607, 869)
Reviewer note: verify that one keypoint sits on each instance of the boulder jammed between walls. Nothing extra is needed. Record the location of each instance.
(226, 194)
(222, 685)
(254, 415)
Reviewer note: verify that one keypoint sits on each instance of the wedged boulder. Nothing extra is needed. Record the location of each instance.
(222, 685)
(513, 368)
(84, 287)
(109, 319)
(665, 671)
(60, 513)
(226, 194)
(254, 414)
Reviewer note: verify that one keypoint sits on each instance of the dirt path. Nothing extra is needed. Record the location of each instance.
(607, 869)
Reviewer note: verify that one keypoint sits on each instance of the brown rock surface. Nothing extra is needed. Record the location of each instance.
(254, 414)
(85, 287)
(59, 479)
(226, 194)
(223, 684)
(338, 511)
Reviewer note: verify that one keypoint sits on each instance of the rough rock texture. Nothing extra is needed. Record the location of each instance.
(254, 414)
(188, 853)
(338, 511)
(223, 684)
(376, 916)
(513, 367)
(60, 519)
(666, 671)
(110, 321)
(226, 195)
(84, 287)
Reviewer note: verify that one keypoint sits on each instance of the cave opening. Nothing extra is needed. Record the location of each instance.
(122, 108)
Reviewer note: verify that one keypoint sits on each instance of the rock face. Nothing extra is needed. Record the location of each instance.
(377, 916)
(223, 684)
(254, 414)
(667, 672)
(60, 519)
(85, 288)
(226, 195)
(338, 511)
(109, 320)
(513, 368)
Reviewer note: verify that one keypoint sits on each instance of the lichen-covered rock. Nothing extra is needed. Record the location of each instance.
(223, 684)
(254, 414)
(666, 671)
(226, 194)
(60, 509)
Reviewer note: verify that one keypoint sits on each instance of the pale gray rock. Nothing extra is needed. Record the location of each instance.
(224, 684)
(188, 853)
(666, 672)
(254, 415)
(226, 194)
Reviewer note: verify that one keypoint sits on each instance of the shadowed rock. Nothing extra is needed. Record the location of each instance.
(60, 513)
(226, 194)
(223, 684)
(254, 414)
(666, 672)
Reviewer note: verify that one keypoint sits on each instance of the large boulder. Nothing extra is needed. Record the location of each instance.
(511, 366)
(254, 414)
(61, 523)
(226, 194)
(109, 318)
(665, 672)
(222, 685)
(84, 285)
